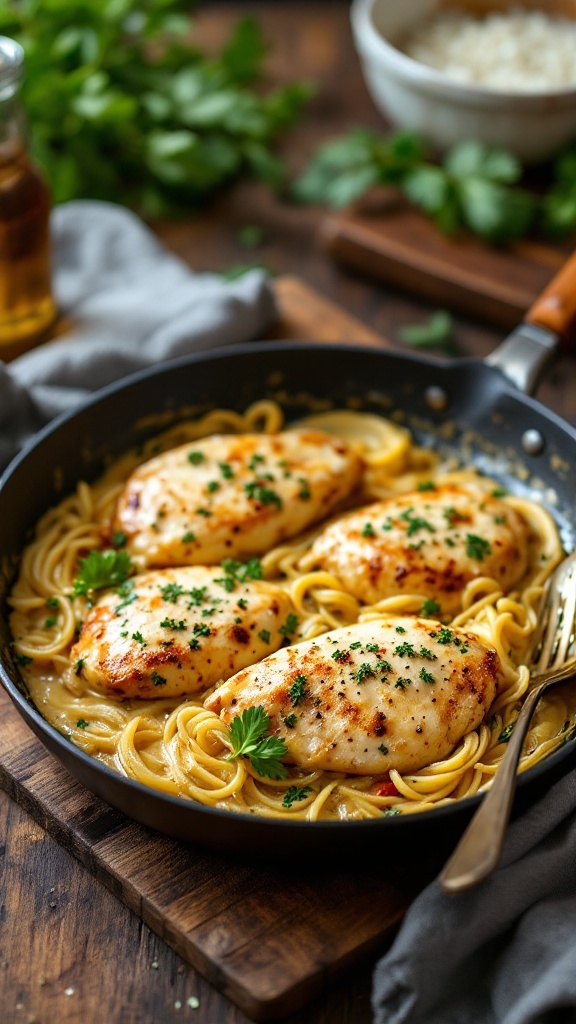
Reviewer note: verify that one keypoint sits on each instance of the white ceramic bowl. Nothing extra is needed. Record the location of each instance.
(412, 95)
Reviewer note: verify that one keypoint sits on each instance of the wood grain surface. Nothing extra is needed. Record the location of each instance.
(389, 241)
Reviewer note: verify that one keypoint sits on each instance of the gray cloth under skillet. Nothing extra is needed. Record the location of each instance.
(503, 953)
(129, 304)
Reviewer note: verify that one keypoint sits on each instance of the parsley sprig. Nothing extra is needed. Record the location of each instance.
(140, 114)
(249, 735)
(475, 186)
(100, 570)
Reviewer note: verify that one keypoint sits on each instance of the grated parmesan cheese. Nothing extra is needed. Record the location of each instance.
(515, 51)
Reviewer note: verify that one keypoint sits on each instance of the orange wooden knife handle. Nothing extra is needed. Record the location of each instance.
(555, 308)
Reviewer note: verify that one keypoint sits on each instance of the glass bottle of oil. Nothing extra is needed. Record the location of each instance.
(26, 303)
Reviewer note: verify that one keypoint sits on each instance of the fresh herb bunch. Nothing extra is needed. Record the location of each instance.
(123, 106)
(475, 186)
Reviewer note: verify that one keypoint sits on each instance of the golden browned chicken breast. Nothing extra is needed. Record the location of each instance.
(430, 543)
(178, 631)
(370, 697)
(233, 496)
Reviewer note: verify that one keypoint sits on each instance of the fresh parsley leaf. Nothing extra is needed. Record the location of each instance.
(249, 738)
(294, 793)
(436, 332)
(138, 113)
(477, 547)
(430, 607)
(101, 570)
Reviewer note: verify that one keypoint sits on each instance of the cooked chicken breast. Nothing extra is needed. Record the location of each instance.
(430, 543)
(370, 697)
(178, 631)
(233, 496)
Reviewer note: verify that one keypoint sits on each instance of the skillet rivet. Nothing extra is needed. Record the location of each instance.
(435, 398)
(532, 442)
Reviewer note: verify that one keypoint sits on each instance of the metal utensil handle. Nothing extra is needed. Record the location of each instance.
(479, 849)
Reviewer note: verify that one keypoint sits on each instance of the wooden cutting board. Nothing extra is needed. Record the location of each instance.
(385, 239)
(268, 937)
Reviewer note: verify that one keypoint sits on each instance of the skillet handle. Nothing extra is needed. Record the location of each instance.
(522, 356)
(555, 309)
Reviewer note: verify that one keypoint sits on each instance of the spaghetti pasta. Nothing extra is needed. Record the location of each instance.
(178, 746)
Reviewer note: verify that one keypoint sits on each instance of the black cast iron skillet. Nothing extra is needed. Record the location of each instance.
(467, 408)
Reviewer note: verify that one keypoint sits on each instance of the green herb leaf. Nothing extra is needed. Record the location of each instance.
(100, 570)
(436, 332)
(249, 738)
(294, 793)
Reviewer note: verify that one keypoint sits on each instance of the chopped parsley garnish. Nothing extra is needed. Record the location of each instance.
(453, 516)
(171, 592)
(201, 629)
(158, 680)
(290, 626)
(203, 512)
(415, 523)
(196, 458)
(339, 655)
(368, 530)
(239, 572)
(264, 636)
(226, 470)
(188, 537)
(290, 720)
(477, 547)
(139, 639)
(22, 659)
(82, 723)
(212, 485)
(499, 492)
(383, 666)
(364, 672)
(383, 749)
(249, 736)
(400, 629)
(443, 636)
(427, 485)
(264, 495)
(499, 520)
(197, 597)
(254, 460)
(79, 665)
(242, 603)
(173, 624)
(51, 602)
(304, 493)
(430, 607)
(194, 644)
(405, 650)
(506, 732)
(389, 812)
(102, 569)
(49, 623)
(127, 593)
(387, 524)
(298, 690)
(356, 645)
(372, 648)
(425, 653)
(402, 682)
(426, 677)
(293, 793)
(119, 539)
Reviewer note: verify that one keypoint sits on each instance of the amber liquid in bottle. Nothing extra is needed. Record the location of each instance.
(26, 303)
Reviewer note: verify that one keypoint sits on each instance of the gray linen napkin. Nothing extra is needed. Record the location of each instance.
(503, 953)
(129, 304)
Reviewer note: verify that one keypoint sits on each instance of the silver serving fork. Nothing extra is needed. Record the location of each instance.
(552, 660)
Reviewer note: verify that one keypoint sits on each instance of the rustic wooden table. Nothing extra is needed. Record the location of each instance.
(69, 950)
